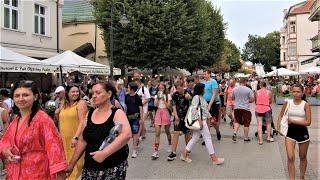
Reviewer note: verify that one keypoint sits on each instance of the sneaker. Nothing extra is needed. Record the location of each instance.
(219, 161)
(141, 138)
(134, 154)
(234, 137)
(172, 156)
(218, 136)
(186, 159)
(155, 155)
(247, 139)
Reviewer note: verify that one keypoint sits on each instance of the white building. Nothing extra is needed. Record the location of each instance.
(31, 27)
(295, 36)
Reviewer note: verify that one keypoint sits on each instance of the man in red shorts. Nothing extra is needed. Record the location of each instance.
(242, 96)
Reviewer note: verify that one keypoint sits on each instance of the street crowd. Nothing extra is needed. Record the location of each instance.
(60, 136)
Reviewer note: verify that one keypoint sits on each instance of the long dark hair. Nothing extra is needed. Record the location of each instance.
(199, 89)
(68, 88)
(35, 106)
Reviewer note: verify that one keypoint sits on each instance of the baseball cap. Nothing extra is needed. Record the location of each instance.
(59, 89)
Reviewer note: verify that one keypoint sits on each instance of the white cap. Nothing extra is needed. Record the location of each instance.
(120, 81)
(59, 89)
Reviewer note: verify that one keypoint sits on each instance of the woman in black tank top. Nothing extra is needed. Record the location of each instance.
(111, 162)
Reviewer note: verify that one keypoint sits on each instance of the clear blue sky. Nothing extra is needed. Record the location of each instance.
(246, 17)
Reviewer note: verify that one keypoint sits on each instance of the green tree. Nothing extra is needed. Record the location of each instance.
(232, 55)
(264, 50)
(163, 33)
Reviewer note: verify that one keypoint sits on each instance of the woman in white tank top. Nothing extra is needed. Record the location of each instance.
(299, 113)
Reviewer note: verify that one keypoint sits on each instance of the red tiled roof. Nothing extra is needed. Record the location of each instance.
(304, 8)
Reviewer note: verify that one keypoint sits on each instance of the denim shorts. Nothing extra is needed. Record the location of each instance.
(134, 124)
(266, 115)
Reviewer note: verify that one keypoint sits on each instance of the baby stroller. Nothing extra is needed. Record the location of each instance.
(264, 128)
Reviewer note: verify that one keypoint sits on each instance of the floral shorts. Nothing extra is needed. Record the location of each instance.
(118, 172)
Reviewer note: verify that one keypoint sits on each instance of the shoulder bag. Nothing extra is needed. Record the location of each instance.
(193, 114)
(284, 121)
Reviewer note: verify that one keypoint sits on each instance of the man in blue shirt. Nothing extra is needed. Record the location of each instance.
(211, 95)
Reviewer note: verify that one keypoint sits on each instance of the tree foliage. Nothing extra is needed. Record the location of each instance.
(264, 50)
(163, 33)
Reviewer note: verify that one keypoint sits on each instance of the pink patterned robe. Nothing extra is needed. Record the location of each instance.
(40, 147)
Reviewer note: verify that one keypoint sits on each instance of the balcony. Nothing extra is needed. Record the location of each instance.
(315, 11)
(316, 43)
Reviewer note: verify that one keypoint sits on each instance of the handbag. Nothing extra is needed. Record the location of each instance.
(193, 114)
(284, 121)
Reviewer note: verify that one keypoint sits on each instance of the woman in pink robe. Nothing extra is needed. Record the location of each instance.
(32, 145)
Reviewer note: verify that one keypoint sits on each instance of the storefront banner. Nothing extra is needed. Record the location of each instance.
(27, 68)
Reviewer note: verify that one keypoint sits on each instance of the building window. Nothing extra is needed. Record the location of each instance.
(11, 14)
(292, 49)
(292, 27)
(39, 19)
(283, 40)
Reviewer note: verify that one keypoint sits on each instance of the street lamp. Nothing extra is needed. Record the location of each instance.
(124, 22)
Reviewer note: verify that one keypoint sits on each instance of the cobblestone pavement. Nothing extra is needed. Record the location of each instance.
(243, 160)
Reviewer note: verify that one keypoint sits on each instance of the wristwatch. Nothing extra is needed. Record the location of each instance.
(76, 138)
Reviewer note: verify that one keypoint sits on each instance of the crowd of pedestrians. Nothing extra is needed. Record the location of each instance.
(67, 144)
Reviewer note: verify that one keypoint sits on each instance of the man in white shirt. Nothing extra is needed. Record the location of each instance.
(6, 100)
(143, 92)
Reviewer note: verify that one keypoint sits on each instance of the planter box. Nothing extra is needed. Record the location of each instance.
(279, 100)
(313, 101)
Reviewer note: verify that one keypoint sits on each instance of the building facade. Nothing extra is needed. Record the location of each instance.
(315, 40)
(80, 32)
(32, 28)
(295, 37)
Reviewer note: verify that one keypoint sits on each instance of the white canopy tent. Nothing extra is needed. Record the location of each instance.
(70, 61)
(282, 72)
(311, 70)
(14, 62)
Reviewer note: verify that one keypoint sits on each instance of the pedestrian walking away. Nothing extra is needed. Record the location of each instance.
(263, 99)
(242, 96)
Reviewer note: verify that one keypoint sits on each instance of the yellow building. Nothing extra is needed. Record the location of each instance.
(80, 32)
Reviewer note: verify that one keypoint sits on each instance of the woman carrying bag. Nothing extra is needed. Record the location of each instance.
(298, 118)
(204, 130)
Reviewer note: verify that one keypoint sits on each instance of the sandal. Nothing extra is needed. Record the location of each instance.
(260, 143)
(270, 140)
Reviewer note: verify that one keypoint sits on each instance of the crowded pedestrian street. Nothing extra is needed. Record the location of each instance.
(243, 160)
(165, 89)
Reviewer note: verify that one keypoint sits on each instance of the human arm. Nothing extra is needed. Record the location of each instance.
(213, 97)
(307, 121)
(251, 97)
(53, 144)
(82, 110)
(121, 140)
(270, 97)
